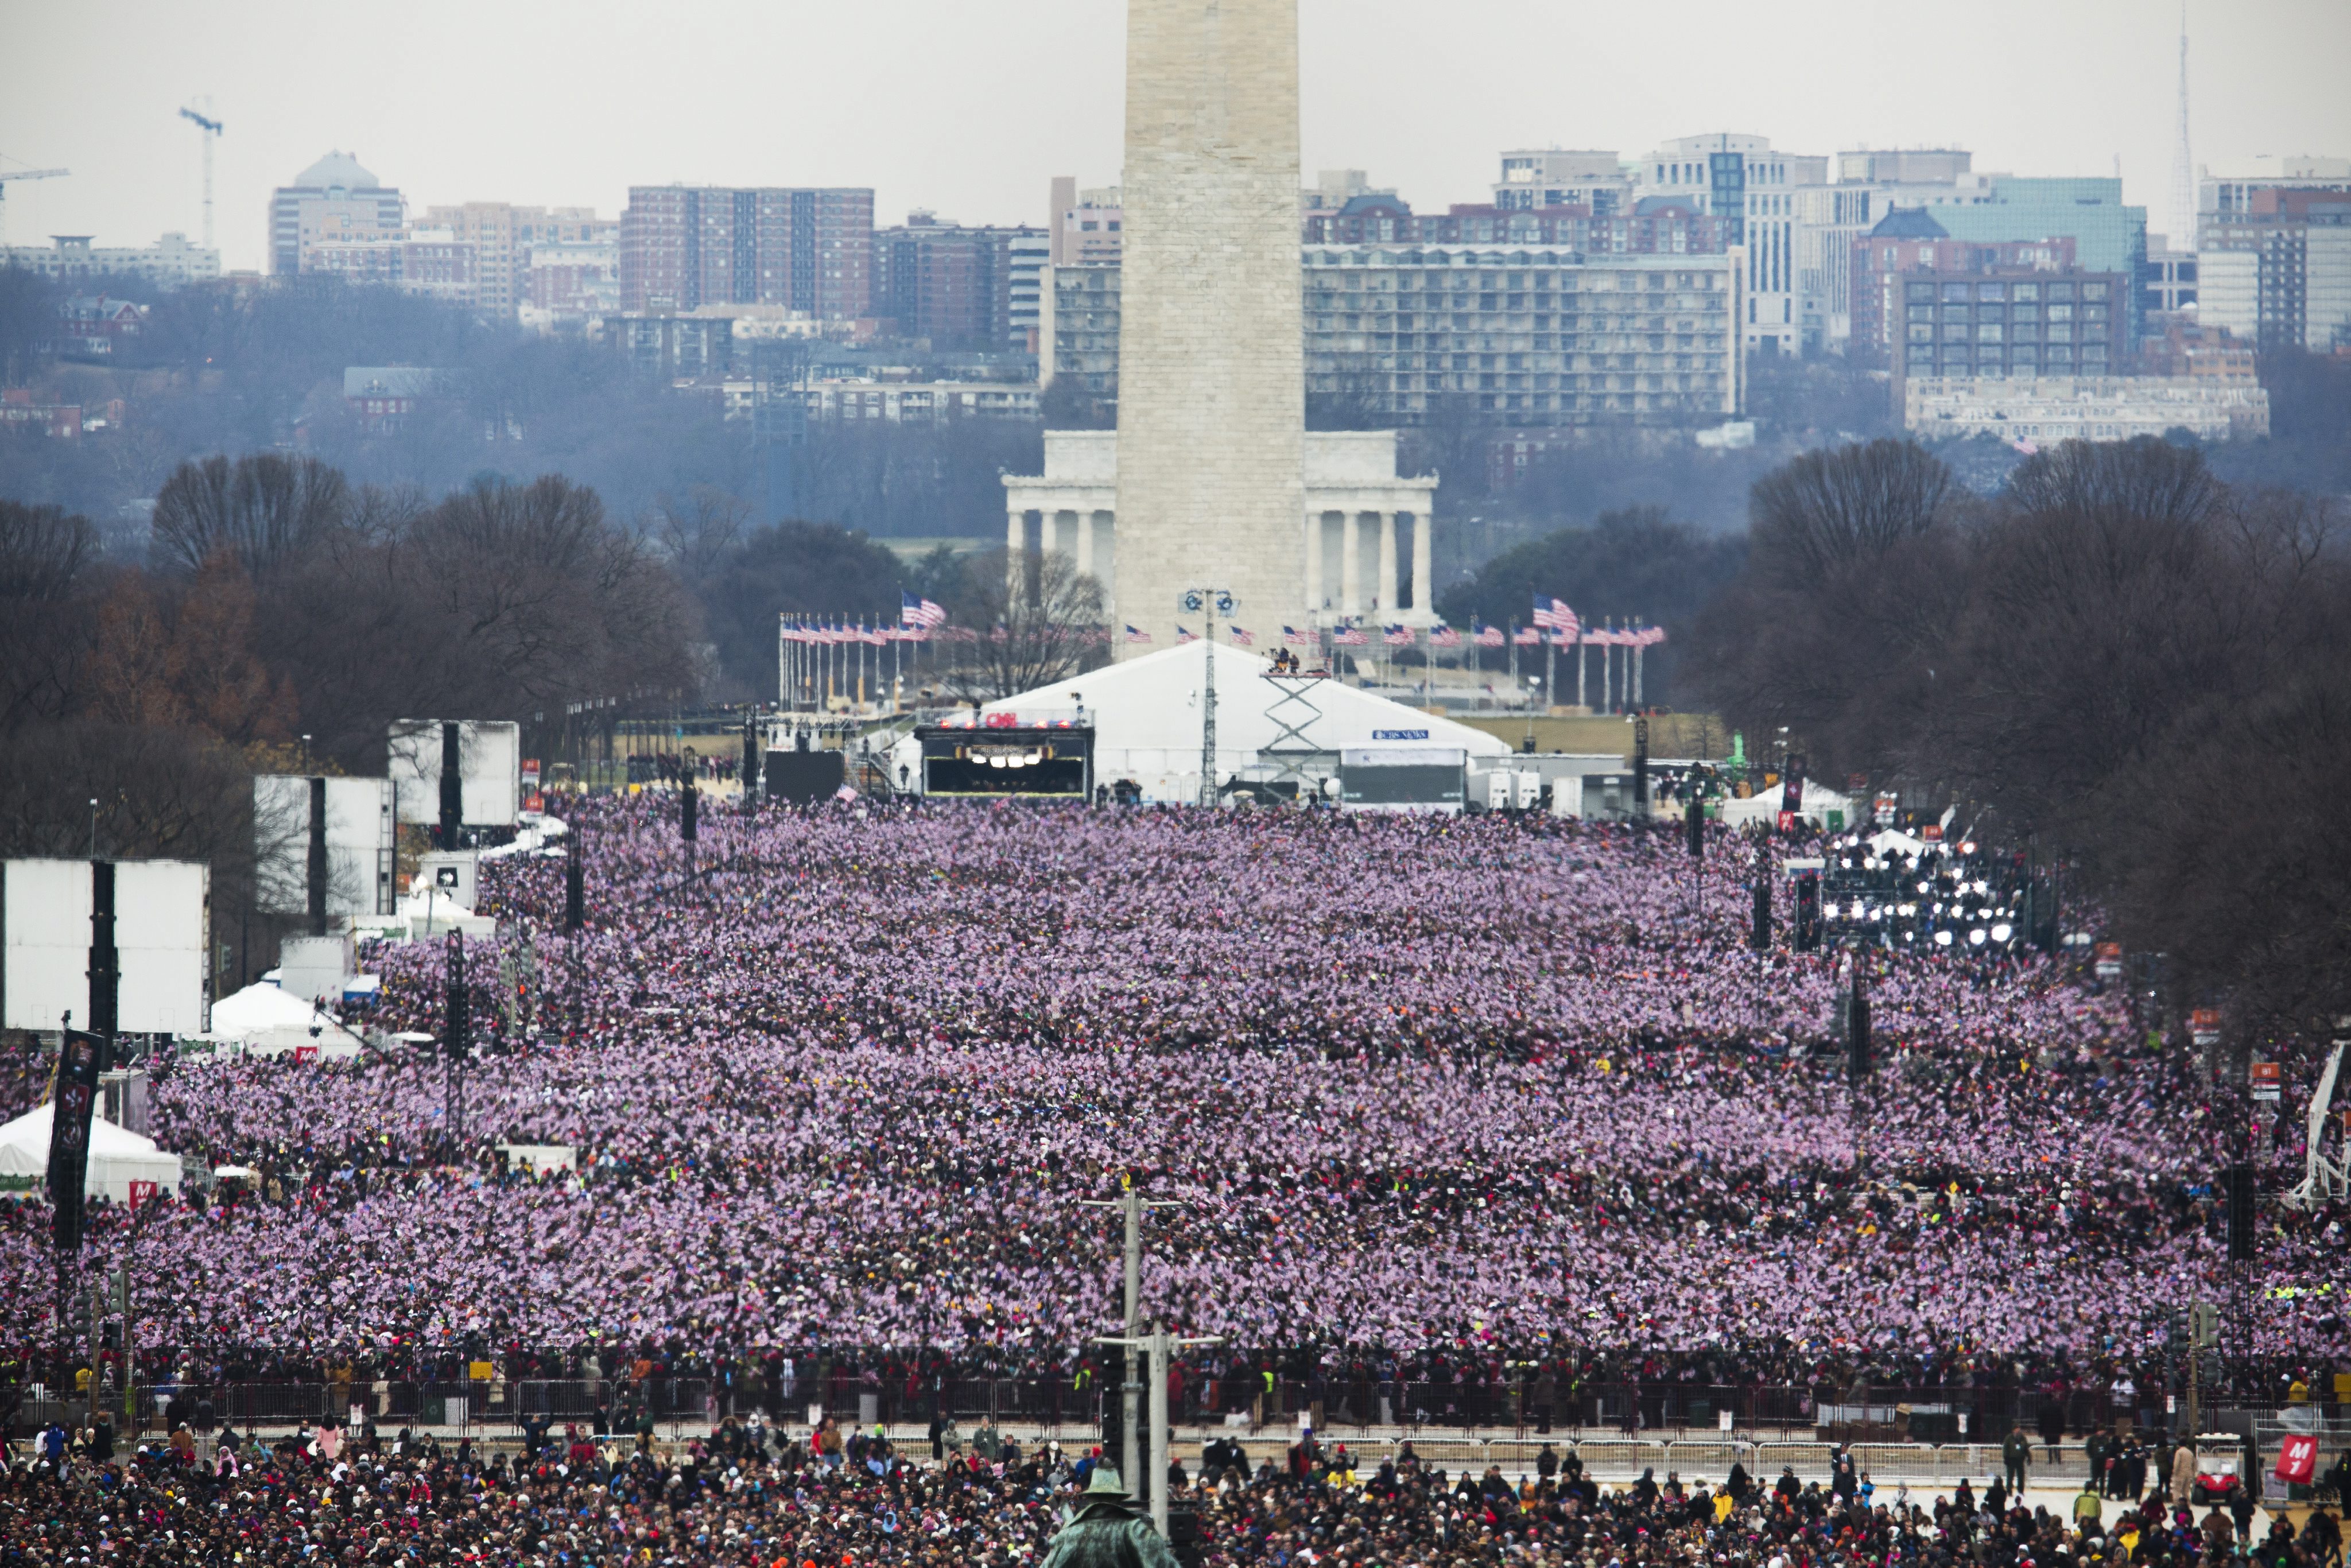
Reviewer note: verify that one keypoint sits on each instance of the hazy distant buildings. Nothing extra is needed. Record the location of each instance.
(1534, 178)
(169, 263)
(1926, 304)
(1084, 227)
(1742, 181)
(2277, 270)
(955, 285)
(334, 201)
(504, 236)
(683, 246)
(2037, 412)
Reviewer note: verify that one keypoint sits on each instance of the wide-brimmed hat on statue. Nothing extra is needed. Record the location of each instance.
(1104, 1480)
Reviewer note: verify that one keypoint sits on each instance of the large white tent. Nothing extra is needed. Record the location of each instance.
(266, 1020)
(117, 1158)
(1145, 713)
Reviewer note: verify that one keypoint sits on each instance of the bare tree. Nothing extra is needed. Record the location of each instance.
(1037, 620)
(45, 558)
(265, 510)
(1839, 505)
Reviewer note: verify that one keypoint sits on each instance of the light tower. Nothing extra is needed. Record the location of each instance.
(211, 130)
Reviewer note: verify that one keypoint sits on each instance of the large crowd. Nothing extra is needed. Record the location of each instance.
(1452, 1091)
(745, 1496)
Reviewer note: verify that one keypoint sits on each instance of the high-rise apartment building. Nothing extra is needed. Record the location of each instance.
(949, 283)
(1085, 226)
(1900, 314)
(2278, 272)
(1546, 337)
(334, 201)
(2108, 235)
(684, 246)
(502, 235)
(1743, 180)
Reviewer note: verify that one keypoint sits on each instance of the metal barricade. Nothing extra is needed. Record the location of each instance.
(1620, 1458)
(1882, 1462)
(1708, 1458)
(1809, 1460)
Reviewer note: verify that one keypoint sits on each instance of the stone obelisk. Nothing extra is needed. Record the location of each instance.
(1211, 374)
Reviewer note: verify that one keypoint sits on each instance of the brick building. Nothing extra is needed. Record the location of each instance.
(683, 246)
(951, 284)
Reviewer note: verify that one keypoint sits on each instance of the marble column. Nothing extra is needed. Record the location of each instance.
(1085, 550)
(1351, 565)
(1422, 570)
(1314, 565)
(1387, 587)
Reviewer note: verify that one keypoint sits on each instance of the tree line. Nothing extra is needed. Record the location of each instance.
(2119, 660)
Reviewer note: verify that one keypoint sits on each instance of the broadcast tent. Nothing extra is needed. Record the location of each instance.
(1145, 715)
(117, 1158)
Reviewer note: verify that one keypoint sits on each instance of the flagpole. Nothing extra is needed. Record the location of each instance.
(1583, 663)
(1551, 671)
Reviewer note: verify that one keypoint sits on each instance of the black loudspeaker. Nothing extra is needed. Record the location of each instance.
(575, 889)
(1856, 1034)
(689, 800)
(2240, 1184)
(1808, 912)
(1759, 937)
(1694, 821)
(456, 1009)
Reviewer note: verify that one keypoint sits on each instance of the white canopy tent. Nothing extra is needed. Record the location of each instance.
(1145, 713)
(117, 1158)
(266, 1020)
(1764, 806)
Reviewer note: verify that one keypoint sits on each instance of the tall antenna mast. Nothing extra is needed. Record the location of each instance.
(210, 129)
(2183, 181)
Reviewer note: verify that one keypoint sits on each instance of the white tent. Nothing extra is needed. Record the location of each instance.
(117, 1158)
(1763, 806)
(266, 1020)
(1145, 713)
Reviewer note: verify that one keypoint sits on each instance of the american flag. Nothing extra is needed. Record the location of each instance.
(873, 634)
(915, 611)
(1135, 635)
(1398, 636)
(1297, 639)
(1349, 637)
(1242, 638)
(1652, 635)
(1552, 614)
(1181, 636)
(1528, 637)
(1487, 637)
(1445, 637)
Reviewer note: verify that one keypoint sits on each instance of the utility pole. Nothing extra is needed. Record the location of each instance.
(1156, 1346)
(1131, 1204)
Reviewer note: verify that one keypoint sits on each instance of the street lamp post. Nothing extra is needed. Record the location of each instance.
(1211, 602)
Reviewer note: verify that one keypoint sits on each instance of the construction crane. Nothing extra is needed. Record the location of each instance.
(8, 179)
(212, 130)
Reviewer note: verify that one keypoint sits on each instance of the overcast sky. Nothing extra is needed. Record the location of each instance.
(968, 107)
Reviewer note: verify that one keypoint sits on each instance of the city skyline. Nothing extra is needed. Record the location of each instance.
(596, 110)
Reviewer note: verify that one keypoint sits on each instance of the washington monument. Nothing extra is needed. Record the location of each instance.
(1211, 400)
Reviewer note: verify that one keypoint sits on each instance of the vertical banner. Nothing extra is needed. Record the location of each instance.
(69, 1115)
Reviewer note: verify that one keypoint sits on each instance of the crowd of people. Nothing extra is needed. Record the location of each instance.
(1461, 1092)
(745, 1495)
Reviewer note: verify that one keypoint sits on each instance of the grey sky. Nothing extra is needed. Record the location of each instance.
(968, 107)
